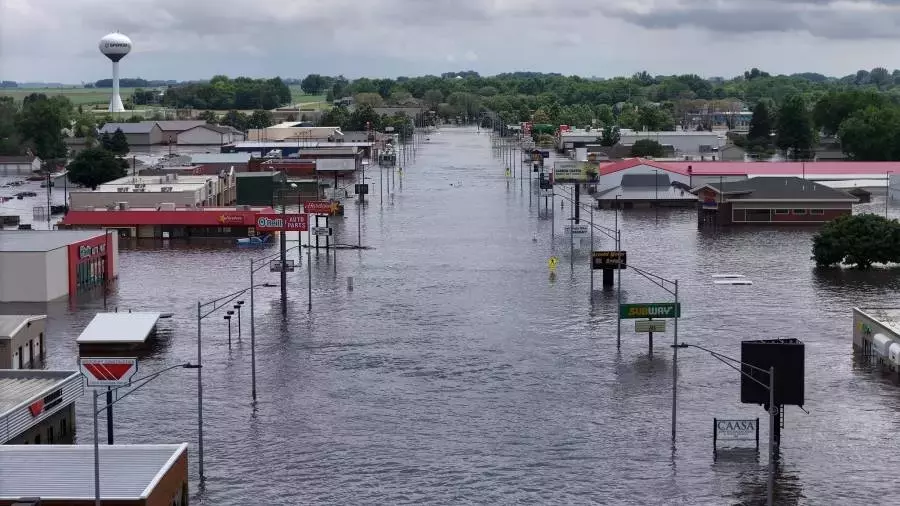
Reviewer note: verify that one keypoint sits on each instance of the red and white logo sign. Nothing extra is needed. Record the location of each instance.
(273, 222)
(36, 407)
(108, 372)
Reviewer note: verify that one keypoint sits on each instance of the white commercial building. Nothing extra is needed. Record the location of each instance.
(46, 265)
(210, 135)
(153, 191)
(684, 144)
(22, 343)
(37, 407)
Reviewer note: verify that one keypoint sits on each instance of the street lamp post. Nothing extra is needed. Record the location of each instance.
(238, 305)
(227, 318)
(770, 485)
(96, 412)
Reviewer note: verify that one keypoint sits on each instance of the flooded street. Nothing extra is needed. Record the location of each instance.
(457, 371)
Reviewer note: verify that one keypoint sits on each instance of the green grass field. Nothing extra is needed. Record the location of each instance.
(78, 96)
(100, 96)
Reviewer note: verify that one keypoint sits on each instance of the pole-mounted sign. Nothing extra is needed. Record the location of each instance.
(321, 207)
(608, 260)
(650, 310)
(275, 222)
(108, 371)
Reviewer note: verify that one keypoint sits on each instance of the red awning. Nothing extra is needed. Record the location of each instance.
(193, 217)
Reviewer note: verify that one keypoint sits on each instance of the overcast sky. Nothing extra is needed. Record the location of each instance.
(56, 40)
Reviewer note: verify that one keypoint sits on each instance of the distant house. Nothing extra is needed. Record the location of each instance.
(27, 164)
(145, 133)
(209, 135)
(771, 200)
(171, 129)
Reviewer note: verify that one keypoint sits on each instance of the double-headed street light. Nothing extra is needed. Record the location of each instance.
(135, 385)
(770, 486)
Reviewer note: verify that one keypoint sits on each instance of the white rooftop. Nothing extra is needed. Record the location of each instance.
(119, 328)
(18, 387)
(60, 472)
(42, 240)
(10, 324)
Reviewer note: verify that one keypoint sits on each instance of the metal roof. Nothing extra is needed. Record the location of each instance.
(128, 128)
(298, 144)
(201, 158)
(42, 240)
(10, 324)
(180, 125)
(779, 188)
(21, 386)
(642, 193)
(109, 328)
(60, 472)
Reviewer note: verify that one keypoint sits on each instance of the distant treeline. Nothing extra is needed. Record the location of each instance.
(9, 84)
(131, 82)
(222, 93)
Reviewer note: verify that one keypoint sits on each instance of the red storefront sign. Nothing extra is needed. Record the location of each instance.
(321, 207)
(97, 248)
(274, 222)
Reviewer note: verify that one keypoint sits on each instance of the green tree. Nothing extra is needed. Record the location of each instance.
(795, 135)
(834, 107)
(40, 124)
(872, 134)
(118, 143)
(209, 117)
(95, 166)
(859, 240)
(433, 98)
(260, 119)
(610, 136)
(363, 118)
(373, 99)
(10, 142)
(235, 119)
(335, 117)
(313, 84)
(760, 134)
(647, 148)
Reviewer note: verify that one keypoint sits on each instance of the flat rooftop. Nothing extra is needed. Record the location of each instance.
(127, 472)
(18, 387)
(194, 210)
(886, 316)
(42, 240)
(10, 324)
(119, 328)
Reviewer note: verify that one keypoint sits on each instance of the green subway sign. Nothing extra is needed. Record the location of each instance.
(651, 310)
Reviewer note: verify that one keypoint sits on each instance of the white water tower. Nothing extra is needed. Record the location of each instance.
(115, 46)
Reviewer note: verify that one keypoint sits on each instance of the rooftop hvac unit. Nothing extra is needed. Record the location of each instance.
(122, 189)
(167, 206)
(166, 189)
(123, 206)
(244, 207)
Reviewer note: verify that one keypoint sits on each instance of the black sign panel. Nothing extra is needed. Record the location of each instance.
(608, 259)
(362, 189)
(546, 184)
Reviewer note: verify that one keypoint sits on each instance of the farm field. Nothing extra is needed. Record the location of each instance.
(78, 95)
(100, 96)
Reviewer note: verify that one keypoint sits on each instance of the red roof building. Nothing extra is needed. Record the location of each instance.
(169, 223)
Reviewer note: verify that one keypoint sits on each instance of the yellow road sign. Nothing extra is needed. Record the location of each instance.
(552, 263)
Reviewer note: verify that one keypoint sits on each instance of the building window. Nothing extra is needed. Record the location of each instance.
(37, 439)
(817, 212)
(50, 435)
(782, 211)
(799, 212)
(63, 428)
